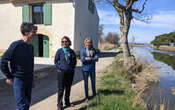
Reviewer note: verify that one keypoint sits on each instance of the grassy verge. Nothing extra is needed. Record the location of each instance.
(114, 91)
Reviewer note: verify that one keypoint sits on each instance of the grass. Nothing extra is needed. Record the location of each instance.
(114, 91)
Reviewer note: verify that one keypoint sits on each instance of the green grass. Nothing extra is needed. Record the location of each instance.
(114, 92)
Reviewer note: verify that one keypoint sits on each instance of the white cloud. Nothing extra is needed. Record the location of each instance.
(162, 22)
(162, 19)
(108, 17)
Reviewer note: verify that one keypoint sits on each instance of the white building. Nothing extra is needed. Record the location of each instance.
(76, 19)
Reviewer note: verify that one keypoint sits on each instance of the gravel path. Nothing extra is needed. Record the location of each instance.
(44, 95)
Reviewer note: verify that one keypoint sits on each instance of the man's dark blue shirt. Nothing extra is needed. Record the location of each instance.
(20, 55)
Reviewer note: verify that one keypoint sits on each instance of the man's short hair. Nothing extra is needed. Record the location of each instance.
(27, 27)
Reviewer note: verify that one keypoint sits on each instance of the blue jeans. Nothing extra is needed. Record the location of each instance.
(22, 91)
(92, 75)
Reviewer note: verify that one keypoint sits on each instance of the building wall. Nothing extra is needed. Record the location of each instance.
(62, 24)
(86, 24)
(10, 22)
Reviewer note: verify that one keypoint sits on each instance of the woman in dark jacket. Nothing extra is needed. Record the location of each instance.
(65, 61)
(88, 58)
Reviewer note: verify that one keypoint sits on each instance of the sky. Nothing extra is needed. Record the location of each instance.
(163, 20)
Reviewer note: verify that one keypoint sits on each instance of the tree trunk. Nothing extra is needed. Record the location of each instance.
(125, 46)
(124, 28)
(125, 21)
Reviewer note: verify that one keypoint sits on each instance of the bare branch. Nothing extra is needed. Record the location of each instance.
(110, 2)
(117, 4)
(140, 11)
(145, 19)
(130, 3)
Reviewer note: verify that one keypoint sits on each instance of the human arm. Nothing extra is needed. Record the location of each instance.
(57, 59)
(4, 62)
(82, 56)
(74, 60)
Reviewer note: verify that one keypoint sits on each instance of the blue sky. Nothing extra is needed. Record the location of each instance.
(163, 21)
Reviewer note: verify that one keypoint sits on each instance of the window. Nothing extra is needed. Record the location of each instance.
(37, 14)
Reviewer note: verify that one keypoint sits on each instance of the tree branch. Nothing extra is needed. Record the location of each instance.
(140, 11)
(130, 3)
(117, 4)
(110, 2)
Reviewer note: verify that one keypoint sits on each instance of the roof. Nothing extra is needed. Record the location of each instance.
(24, 1)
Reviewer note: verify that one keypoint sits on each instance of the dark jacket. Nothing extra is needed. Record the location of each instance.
(88, 65)
(21, 58)
(61, 63)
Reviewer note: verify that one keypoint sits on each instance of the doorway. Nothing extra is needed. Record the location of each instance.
(41, 46)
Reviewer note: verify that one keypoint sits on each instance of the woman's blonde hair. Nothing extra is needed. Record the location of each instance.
(88, 38)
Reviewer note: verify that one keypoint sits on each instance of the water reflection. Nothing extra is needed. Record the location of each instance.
(166, 58)
(160, 94)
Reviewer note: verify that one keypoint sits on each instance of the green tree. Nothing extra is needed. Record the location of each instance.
(164, 39)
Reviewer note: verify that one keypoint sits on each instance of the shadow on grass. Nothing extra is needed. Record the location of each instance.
(109, 92)
(105, 92)
(108, 54)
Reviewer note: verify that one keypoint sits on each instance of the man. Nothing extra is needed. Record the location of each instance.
(20, 55)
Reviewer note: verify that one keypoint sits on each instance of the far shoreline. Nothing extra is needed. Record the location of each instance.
(161, 47)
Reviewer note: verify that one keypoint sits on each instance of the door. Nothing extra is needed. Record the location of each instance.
(45, 46)
(36, 46)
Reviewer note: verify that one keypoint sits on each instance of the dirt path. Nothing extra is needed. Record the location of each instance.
(44, 95)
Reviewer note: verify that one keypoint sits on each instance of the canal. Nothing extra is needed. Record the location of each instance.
(161, 96)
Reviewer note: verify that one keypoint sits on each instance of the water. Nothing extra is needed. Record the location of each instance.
(160, 94)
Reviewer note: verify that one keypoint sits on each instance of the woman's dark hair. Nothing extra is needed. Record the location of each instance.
(27, 27)
(67, 38)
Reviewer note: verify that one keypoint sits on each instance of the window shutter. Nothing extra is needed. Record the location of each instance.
(48, 13)
(25, 13)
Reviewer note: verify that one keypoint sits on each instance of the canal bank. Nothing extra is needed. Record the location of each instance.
(160, 95)
(164, 47)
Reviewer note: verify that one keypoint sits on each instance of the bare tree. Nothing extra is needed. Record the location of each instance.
(100, 32)
(127, 10)
(112, 38)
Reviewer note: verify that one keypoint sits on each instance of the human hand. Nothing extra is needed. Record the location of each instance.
(9, 81)
(87, 58)
(95, 56)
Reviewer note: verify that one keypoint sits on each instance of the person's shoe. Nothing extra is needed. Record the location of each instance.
(86, 100)
(60, 108)
(69, 105)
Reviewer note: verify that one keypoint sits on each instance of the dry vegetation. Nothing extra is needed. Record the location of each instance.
(106, 46)
(165, 47)
(142, 76)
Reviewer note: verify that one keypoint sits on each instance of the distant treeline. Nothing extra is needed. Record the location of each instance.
(164, 39)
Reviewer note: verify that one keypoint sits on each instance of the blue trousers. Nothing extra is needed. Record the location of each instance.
(22, 91)
(92, 75)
